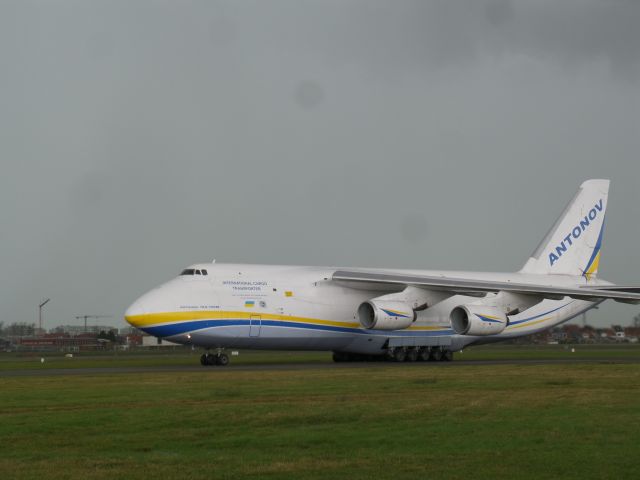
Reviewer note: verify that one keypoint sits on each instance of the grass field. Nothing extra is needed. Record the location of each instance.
(467, 421)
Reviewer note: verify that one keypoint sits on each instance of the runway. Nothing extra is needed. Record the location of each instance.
(45, 372)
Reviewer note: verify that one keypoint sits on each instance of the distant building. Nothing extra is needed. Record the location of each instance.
(5, 344)
(133, 340)
(60, 342)
(129, 331)
(79, 329)
(156, 342)
(69, 329)
(632, 331)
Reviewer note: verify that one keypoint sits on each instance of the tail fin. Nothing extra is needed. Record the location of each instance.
(572, 246)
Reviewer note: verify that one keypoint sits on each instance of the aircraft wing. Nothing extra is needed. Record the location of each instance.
(624, 294)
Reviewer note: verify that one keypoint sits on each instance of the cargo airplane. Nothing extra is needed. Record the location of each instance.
(400, 315)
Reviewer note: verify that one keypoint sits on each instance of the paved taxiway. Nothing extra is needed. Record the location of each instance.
(300, 366)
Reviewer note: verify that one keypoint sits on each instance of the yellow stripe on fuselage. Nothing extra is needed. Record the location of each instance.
(149, 319)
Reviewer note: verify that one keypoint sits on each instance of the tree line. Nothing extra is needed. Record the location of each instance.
(17, 329)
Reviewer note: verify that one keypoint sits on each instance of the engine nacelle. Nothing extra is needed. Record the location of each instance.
(385, 315)
(477, 320)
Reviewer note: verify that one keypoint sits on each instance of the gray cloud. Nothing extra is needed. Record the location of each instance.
(443, 33)
(136, 138)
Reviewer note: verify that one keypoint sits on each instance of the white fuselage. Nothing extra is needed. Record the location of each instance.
(287, 307)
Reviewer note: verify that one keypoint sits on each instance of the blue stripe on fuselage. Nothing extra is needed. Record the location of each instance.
(184, 327)
(540, 315)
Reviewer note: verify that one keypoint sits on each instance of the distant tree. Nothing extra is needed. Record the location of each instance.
(20, 329)
(110, 335)
(1, 328)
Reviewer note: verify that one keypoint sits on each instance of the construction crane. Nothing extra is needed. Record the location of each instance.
(78, 317)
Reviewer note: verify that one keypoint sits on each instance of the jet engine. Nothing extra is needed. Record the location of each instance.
(478, 320)
(385, 315)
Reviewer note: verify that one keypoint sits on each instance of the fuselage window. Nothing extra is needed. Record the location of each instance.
(198, 272)
(204, 272)
(187, 271)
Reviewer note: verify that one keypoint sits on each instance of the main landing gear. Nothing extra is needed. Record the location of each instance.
(399, 354)
(220, 358)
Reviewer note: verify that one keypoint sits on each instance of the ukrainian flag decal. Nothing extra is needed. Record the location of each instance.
(249, 303)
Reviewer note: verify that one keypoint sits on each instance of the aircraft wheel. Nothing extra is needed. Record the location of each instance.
(222, 360)
(412, 355)
(423, 355)
(447, 356)
(339, 357)
(203, 359)
(399, 355)
(435, 355)
(210, 360)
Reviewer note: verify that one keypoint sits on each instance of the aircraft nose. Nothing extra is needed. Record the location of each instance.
(134, 312)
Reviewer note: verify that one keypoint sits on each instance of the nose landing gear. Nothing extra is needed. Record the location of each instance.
(209, 359)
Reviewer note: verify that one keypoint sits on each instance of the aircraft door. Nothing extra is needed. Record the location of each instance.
(255, 324)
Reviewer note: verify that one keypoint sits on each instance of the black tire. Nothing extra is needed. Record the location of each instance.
(211, 360)
(423, 355)
(412, 355)
(340, 357)
(435, 355)
(447, 356)
(399, 355)
(222, 360)
(203, 359)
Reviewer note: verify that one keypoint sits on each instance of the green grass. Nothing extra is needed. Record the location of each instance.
(484, 421)
(551, 352)
(31, 361)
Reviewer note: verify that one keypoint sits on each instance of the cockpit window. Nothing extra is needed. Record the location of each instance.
(193, 271)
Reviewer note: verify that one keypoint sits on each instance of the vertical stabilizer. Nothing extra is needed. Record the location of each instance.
(572, 246)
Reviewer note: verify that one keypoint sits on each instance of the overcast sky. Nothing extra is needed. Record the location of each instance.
(139, 137)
